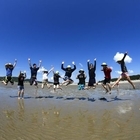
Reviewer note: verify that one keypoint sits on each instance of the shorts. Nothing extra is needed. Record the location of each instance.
(106, 80)
(67, 78)
(9, 79)
(33, 81)
(91, 82)
(81, 87)
(124, 75)
(45, 81)
(20, 88)
(56, 83)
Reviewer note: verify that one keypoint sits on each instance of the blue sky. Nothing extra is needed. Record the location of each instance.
(69, 30)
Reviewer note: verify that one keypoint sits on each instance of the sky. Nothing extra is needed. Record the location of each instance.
(69, 30)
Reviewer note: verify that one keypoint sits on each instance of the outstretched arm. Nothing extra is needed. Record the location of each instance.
(51, 70)
(15, 63)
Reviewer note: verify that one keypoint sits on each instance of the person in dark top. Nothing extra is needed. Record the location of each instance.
(124, 74)
(81, 76)
(9, 69)
(56, 82)
(34, 69)
(92, 75)
(68, 73)
(21, 78)
(107, 73)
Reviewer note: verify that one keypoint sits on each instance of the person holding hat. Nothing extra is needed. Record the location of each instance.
(68, 73)
(81, 76)
(92, 75)
(124, 73)
(56, 83)
(9, 69)
(107, 73)
(34, 69)
(45, 78)
(21, 78)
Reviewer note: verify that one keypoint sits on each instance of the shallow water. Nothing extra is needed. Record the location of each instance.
(70, 114)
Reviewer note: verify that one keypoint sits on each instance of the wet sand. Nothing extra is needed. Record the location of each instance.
(70, 114)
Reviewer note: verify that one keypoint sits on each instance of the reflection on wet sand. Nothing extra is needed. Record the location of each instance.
(71, 119)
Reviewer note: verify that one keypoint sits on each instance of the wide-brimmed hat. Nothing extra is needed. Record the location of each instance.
(8, 64)
(104, 64)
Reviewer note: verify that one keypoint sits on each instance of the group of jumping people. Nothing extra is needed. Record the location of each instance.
(67, 77)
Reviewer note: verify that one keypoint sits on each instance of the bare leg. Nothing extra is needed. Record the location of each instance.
(117, 82)
(19, 92)
(58, 87)
(22, 93)
(104, 86)
(129, 80)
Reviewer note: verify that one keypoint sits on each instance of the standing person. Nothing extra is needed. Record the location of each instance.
(56, 83)
(34, 69)
(124, 73)
(92, 75)
(45, 78)
(81, 76)
(68, 73)
(21, 78)
(9, 70)
(107, 72)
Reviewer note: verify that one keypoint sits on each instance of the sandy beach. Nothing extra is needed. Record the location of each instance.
(70, 114)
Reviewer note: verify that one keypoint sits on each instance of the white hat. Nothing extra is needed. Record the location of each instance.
(81, 70)
(69, 66)
(57, 72)
(104, 64)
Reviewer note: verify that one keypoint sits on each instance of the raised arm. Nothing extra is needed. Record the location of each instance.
(15, 63)
(40, 62)
(94, 64)
(51, 70)
(124, 56)
(29, 62)
(25, 75)
(88, 64)
(74, 66)
(62, 66)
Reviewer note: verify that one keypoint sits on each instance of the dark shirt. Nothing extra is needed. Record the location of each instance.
(34, 71)
(81, 78)
(56, 78)
(91, 71)
(68, 71)
(21, 80)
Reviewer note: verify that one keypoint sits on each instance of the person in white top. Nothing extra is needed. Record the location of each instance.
(45, 78)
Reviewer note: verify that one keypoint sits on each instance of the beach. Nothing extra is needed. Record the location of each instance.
(70, 114)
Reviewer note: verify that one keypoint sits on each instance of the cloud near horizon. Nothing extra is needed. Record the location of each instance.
(119, 56)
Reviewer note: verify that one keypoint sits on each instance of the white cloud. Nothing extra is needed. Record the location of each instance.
(119, 56)
(41, 69)
(119, 72)
(130, 71)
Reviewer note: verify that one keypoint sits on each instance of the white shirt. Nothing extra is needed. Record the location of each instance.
(45, 76)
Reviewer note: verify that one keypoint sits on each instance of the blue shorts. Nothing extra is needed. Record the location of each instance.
(81, 86)
(20, 88)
